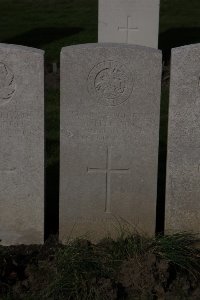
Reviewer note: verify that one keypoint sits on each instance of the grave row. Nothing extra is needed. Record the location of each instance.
(109, 136)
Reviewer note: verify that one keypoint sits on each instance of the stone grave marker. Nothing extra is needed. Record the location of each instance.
(110, 99)
(22, 145)
(182, 211)
(129, 21)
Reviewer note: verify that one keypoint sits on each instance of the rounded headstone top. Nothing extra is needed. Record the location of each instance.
(111, 45)
(21, 48)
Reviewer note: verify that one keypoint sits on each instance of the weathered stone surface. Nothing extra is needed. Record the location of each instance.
(129, 21)
(22, 145)
(110, 98)
(183, 164)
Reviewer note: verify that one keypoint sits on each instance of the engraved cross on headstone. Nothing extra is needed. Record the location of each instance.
(128, 28)
(108, 171)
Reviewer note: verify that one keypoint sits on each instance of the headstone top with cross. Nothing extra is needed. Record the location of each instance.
(109, 138)
(132, 22)
(128, 29)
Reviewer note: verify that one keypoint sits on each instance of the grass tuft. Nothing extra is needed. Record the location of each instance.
(79, 267)
(179, 249)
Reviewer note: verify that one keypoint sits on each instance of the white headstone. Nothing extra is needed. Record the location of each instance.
(22, 145)
(110, 99)
(182, 211)
(129, 21)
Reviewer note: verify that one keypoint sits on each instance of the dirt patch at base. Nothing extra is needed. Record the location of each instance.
(149, 277)
(27, 271)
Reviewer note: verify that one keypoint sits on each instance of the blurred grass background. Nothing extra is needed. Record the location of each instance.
(53, 24)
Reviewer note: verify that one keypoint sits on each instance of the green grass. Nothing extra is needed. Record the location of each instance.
(179, 24)
(179, 249)
(52, 24)
(48, 24)
(179, 14)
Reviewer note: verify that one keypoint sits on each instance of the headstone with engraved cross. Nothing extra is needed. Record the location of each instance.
(22, 145)
(109, 138)
(129, 21)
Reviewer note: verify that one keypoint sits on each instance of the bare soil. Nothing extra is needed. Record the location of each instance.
(25, 271)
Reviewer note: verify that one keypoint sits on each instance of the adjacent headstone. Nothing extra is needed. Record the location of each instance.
(110, 99)
(22, 145)
(129, 21)
(183, 163)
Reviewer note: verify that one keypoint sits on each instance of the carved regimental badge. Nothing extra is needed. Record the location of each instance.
(7, 85)
(110, 82)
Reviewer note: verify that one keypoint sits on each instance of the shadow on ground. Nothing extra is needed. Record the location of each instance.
(39, 37)
(177, 37)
